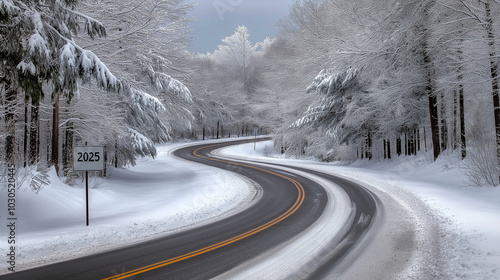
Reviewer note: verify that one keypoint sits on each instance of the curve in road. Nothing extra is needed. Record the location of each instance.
(289, 205)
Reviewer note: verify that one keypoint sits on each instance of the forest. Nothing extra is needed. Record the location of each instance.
(342, 81)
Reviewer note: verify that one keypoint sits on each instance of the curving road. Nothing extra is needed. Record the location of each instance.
(289, 205)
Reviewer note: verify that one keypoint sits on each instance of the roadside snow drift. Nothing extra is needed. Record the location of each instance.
(155, 198)
(456, 227)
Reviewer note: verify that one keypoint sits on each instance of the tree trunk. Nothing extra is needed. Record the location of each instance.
(406, 143)
(55, 134)
(461, 107)
(116, 152)
(425, 139)
(398, 146)
(218, 129)
(369, 146)
(34, 152)
(454, 139)
(413, 140)
(429, 89)
(388, 149)
(417, 133)
(68, 149)
(25, 140)
(410, 142)
(462, 122)
(493, 74)
(10, 121)
(444, 125)
(433, 113)
(385, 149)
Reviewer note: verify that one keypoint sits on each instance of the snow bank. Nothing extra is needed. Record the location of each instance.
(155, 198)
(458, 223)
(166, 195)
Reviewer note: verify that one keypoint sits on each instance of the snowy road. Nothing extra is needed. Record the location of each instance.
(411, 237)
(288, 210)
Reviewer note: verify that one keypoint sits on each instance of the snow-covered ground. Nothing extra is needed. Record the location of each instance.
(154, 198)
(459, 224)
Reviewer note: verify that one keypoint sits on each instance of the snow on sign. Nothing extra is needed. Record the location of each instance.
(88, 158)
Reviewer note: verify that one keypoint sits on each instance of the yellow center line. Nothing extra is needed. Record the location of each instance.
(290, 211)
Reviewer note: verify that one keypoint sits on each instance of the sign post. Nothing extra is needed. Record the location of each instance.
(88, 158)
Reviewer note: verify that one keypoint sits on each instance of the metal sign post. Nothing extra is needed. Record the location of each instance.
(88, 158)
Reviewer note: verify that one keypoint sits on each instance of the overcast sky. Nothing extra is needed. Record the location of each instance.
(218, 19)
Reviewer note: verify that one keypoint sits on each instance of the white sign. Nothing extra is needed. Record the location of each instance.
(88, 158)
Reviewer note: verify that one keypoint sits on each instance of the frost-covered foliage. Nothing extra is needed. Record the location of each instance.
(237, 54)
(146, 109)
(481, 163)
(107, 120)
(142, 99)
(427, 67)
(236, 48)
(38, 55)
(166, 85)
(338, 118)
(142, 145)
(145, 48)
(228, 87)
(37, 39)
(337, 91)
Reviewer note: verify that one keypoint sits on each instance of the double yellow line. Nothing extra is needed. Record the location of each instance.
(290, 211)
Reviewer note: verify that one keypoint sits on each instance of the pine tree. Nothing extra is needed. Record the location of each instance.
(37, 47)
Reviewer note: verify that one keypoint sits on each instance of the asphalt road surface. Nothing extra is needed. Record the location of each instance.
(289, 204)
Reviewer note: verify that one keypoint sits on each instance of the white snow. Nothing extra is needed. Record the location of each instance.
(154, 198)
(38, 45)
(460, 222)
(67, 56)
(9, 6)
(179, 89)
(166, 195)
(142, 98)
(27, 67)
(141, 143)
(92, 65)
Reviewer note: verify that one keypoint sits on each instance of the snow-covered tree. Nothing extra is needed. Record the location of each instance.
(342, 110)
(228, 88)
(145, 48)
(38, 48)
(237, 51)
